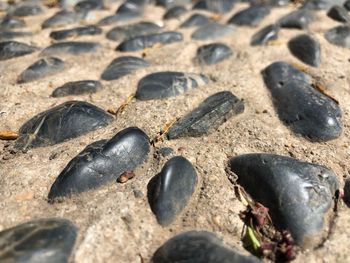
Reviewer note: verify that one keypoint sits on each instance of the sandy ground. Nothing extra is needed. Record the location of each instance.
(116, 226)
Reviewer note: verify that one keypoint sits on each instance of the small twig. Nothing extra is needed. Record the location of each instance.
(160, 135)
(122, 107)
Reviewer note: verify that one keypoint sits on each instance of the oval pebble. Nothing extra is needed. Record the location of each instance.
(298, 194)
(175, 12)
(216, 6)
(88, 5)
(9, 22)
(211, 31)
(8, 35)
(74, 32)
(305, 110)
(42, 68)
(196, 20)
(299, 19)
(42, 240)
(102, 162)
(71, 48)
(306, 48)
(27, 10)
(266, 34)
(63, 122)
(13, 49)
(130, 9)
(339, 36)
(339, 13)
(123, 66)
(172, 3)
(347, 5)
(167, 84)
(63, 18)
(321, 4)
(212, 53)
(77, 88)
(170, 190)
(252, 16)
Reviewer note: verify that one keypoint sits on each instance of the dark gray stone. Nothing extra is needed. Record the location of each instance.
(212, 53)
(61, 123)
(102, 162)
(42, 68)
(175, 12)
(263, 36)
(13, 49)
(109, 20)
(121, 33)
(63, 18)
(88, 5)
(339, 36)
(298, 194)
(299, 19)
(347, 5)
(252, 16)
(216, 6)
(123, 66)
(7, 35)
(211, 31)
(339, 13)
(77, 88)
(305, 110)
(165, 151)
(9, 22)
(74, 32)
(38, 241)
(196, 20)
(172, 3)
(167, 84)
(306, 48)
(208, 116)
(131, 9)
(321, 4)
(198, 247)
(27, 10)
(71, 48)
(171, 189)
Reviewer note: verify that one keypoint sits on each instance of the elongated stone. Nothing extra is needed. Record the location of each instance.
(102, 162)
(196, 20)
(9, 22)
(299, 19)
(123, 66)
(175, 12)
(216, 6)
(208, 116)
(211, 31)
(300, 106)
(339, 13)
(121, 33)
(321, 4)
(306, 48)
(170, 190)
(71, 48)
(42, 68)
(63, 18)
(167, 84)
(339, 36)
(74, 32)
(263, 36)
(63, 122)
(142, 42)
(171, 3)
(252, 16)
(198, 247)
(298, 194)
(347, 5)
(13, 49)
(43, 240)
(130, 9)
(77, 88)
(27, 10)
(88, 5)
(212, 53)
(7, 35)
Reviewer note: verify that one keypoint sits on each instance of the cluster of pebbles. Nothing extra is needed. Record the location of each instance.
(65, 62)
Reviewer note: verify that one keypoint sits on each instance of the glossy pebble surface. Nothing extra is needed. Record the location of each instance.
(77, 88)
(307, 49)
(12, 49)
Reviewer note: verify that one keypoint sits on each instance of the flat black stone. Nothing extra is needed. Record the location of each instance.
(339, 36)
(175, 12)
(165, 84)
(347, 5)
(8, 35)
(78, 31)
(171, 189)
(211, 31)
(306, 48)
(63, 18)
(123, 66)
(102, 162)
(339, 13)
(44, 240)
(88, 5)
(27, 10)
(321, 4)
(208, 116)
(42, 68)
(121, 33)
(77, 88)
(70, 47)
(305, 110)
(13, 49)
(196, 20)
(212, 53)
(9, 22)
(266, 34)
(142, 42)
(198, 247)
(252, 16)
(298, 194)
(216, 6)
(299, 19)
(61, 123)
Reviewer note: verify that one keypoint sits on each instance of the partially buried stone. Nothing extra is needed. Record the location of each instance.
(208, 116)
(212, 53)
(102, 162)
(63, 18)
(305, 110)
(263, 36)
(306, 48)
(71, 48)
(216, 6)
(142, 42)
(167, 84)
(198, 247)
(321, 4)
(43, 240)
(339, 14)
(27, 10)
(175, 12)
(196, 20)
(339, 36)
(299, 19)
(74, 32)
(63, 122)
(123, 66)
(347, 5)
(121, 33)
(172, 3)
(7, 35)
(13, 49)
(211, 30)
(88, 5)
(171, 189)
(298, 194)
(77, 88)
(42, 68)
(9, 22)
(252, 16)
(130, 9)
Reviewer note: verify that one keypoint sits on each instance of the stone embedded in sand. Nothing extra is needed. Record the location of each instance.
(172, 3)
(77, 88)
(339, 36)
(71, 48)
(123, 66)
(306, 48)
(216, 6)
(198, 247)
(208, 116)
(142, 42)
(9, 22)
(13, 49)
(43, 240)
(165, 84)
(42, 68)
(305, 110)
(8, 35)
(88, 5)
(347, 5)
(196, 20)
(74, 32)
(263, 36)
(175, 12)
(130, 9)
(252, 16)
(63, 122)
(170, 190)
(212, 53)
(298, 194)
(321, 4)
(102, 162)
(121, 33)
(339, 13)
(299, 19)
(27, 10)
(63, 18)
(211, 31)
